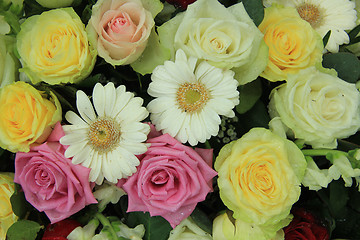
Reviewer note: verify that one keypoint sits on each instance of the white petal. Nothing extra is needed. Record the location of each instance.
(80, 157)
(74, 119)
(99, 99)
(85, 107)
(122, 99)
(110, 99)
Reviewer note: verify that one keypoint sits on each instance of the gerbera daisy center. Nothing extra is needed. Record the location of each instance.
(310, 13)
(104, 134)
(191, 97)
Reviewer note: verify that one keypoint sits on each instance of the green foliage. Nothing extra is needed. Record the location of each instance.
(202, 220)
(353, 35)
(326, 37)
(23, 230)
(156, 227)
(249, 94)
(346, 64)
(255, 10)
(18, 203)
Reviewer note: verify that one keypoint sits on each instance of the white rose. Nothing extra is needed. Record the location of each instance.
(317, 107)
(225, 37)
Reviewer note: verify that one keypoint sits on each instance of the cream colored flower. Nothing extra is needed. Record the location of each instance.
(189, 98)
(108, 140)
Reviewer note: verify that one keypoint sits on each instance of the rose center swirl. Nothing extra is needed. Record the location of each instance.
(191, 97)
(104, 134)
(310, 13)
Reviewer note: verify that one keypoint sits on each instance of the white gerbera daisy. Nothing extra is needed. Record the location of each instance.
(325, 15)
(108, 140)
(190, 97)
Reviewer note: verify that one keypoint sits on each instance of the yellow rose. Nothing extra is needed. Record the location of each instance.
(26, 116)
(293, 43)
(54, 47)
(7, 217)
(259, 178)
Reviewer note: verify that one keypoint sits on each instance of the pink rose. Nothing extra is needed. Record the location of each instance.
(171, 179)
(120, 29)
(51, 183)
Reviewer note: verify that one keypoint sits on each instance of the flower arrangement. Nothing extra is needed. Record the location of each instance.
(179, 119)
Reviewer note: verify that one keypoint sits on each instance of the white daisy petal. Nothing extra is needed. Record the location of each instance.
(85, 107)
(99, 99)
(122, 99)
(110, 98)
(74, 119)
(84, 154)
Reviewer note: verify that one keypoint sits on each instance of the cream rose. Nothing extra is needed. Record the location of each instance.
(317, 107)
(120, 29)
(259, 179)
(225, 37)
(54, 47)
(293, 43)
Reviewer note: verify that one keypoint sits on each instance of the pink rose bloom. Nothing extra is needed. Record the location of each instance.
(119, 30)
(51, 183)
(171, 179)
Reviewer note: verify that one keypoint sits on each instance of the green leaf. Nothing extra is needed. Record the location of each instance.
(202, 220)
(249, 94)
(154, 54)
(18, 203)
(255, 10)
(326, 37)
(156, 227)
(346, 64)
(23, 230)
(353, 33)
(257, 116)
(339, 196)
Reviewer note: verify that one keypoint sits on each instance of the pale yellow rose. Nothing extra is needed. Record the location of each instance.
(317, 107)
(7, 216)
(225, 227)
(55, 3)
(188, 230)
(120, 29)
(26, 116)
(293, 43)
(9, 64)
(54, 47)
(259, 178)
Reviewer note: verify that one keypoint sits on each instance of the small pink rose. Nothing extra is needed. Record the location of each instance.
(120, 30)
(51, 183)
(171, 179)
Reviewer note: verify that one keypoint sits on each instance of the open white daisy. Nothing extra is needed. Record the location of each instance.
(325, 15)
(189, 98)
(108, 140)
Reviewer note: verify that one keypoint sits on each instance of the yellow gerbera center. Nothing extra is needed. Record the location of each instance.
(191, 97)
(104, 134)
(310, 13)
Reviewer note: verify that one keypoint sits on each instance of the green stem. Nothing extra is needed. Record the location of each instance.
(319, 152)
(105, 222)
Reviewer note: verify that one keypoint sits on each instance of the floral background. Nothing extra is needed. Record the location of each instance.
(179, 119)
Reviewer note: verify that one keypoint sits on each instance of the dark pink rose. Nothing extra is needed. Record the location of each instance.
(51, 183)
(171, 179)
